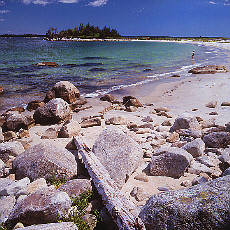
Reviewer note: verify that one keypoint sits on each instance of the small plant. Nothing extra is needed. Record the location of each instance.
(56, 181)
(3, 226)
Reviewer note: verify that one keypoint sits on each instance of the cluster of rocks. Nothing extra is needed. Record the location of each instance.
(185, 145)
(209, 69)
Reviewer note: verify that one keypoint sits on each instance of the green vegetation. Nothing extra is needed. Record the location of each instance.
(79, 205)
(56, 181)
(84, 32)
(3, 226)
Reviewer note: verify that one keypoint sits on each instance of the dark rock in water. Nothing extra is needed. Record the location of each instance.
(97, 69)
(217, 139)
(147, 70)
(175, 76)
(45, 160)
(49, 64)
(118, 153)
(33, 105)
(90, 64)
(65, 90)
(53, 112)
(204, 206)
(210, 69)
(52, 226)
(46, 205)
(131, 101)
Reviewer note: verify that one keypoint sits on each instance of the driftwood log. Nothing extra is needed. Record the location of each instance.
(122, 210)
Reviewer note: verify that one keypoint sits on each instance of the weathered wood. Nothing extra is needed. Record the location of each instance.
(122, 210)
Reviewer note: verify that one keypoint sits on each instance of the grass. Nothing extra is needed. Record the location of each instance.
(56, 181)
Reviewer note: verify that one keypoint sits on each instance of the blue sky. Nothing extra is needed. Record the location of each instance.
(129, 17)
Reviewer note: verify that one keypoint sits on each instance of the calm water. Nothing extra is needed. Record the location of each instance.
(94, 67)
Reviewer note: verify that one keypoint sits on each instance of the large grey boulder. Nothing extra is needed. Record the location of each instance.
(195, 148)
(6, 205)
(52, 226)
(171, 162)
(76, 187)
(45, 160)
(69, 129)
(217, 139)
(185, 121)
(65, 90)
(204, 206)
(43, 206)
(118, 153)
(53, 112)
(13, 148)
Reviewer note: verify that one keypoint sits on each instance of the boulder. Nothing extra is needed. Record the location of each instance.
(195, 148)
(131, 101)
(209, 69)
(225, 103)
(217, 139)
(1, 90)
(9, 135)
(1, 135)
(197, 168)
(118, 153)
(204, 206)
(33, 105)
(8, 149)
(49, 64)
(226, 172)
(16, 121)
(189, 133)
(69, 129)
(185, 121)
(43, 206)
(116, 121)
(6, 205)
(2, 168)
(50, 133)
(65, 90)
(171, 162)
(90, 122)
(108, 97)
(45, 160)
(211, 104)
(208, 161)
(36, 185)
(52, 226)
(225, 159)
(76, 187)
(53, 112)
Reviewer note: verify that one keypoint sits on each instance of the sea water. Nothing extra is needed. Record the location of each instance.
(95, 68)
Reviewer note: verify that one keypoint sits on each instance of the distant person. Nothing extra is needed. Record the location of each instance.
(193, 54)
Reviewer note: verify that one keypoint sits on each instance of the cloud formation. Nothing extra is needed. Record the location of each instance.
(97, 3)
(4, 11)
(220, 2)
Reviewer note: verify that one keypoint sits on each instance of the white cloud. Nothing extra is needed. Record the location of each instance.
(37, 2)
(213, 3)
(4, 11)
(97, 3)
(68, 1)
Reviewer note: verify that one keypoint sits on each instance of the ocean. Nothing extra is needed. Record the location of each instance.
(95, 68)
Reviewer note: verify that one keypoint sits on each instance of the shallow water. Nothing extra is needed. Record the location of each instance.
(94, 67)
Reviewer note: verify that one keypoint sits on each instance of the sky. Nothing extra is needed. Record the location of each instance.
(129, 17)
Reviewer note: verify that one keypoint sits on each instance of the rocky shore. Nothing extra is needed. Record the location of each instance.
(159, 161)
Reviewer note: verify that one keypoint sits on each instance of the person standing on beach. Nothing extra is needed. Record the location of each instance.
(193, 54)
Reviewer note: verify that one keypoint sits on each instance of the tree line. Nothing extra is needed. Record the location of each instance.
(83, 31)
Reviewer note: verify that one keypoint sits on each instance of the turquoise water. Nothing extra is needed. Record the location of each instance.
(94, 67)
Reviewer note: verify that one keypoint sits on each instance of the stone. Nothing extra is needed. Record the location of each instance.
(199, 207)
(147, 119)
(8, 149)
(197, 168)
(45, 160)
(166, 123)
(217, 139)
(208, 123)
(23, 133)
(225, 103)
(1, 135)
(175, 75)
(77, 105)
(162, 129)
(195, 148)
(50, 133)
(91, 122)
(76, 187)
(118, 153)
(49, 64)
(186, 183)
(211, 104)
(52, 226)
(206, 161)
(9, 135)
(36, 185)
(171, 162)
(161, 109)
(2, 168)
(143, 131)
(15, 187)
(90, 220)
(141, 177)
(227, 129)
(209, 69)
(4, 183)
(131, 109)
(173, 137)
(226, 172)
(139, 194)
(185, 121)
(116, 121)
(213, 113)
(33, 105)
(107, 97)
(164, 114)
(199, 180)
(131, 101)
(43, 206)
(189, 133)
(69, 129)
(18, 225)
(64, 90)
(15, 121)
(53, 112)
(6, 205)
(225, 159)
(1, 90)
